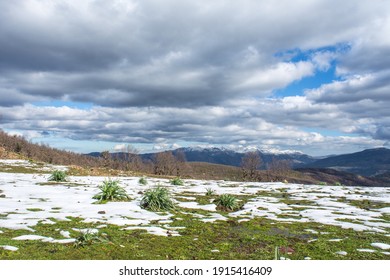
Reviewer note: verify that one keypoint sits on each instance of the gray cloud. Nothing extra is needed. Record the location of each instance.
(200, 71)
(184, 54)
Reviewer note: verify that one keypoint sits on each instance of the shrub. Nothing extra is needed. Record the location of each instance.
(142, 181)
(177, 182)
(157, 199)
(226, 202)
(111, 191)
(58, 176)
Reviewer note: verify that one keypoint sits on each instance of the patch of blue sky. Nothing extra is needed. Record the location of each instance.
(320, 77)
(328, 132)
(78, 146)
(311, 82)
(296, 55)
(60, 103)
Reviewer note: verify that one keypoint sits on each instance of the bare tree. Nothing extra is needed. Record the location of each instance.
(280, 167)
(250, 163)
(181, 162)
(132, 158)
(164, 163)
(106, 158)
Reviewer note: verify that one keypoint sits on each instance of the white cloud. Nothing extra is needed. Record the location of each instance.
(323, 59)
(120, 147)
(274, 77)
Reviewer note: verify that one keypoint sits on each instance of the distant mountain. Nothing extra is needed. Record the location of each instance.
(366, 168)
(229, 157)
(371, 162)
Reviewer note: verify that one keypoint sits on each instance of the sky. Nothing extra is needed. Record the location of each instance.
(93, 75)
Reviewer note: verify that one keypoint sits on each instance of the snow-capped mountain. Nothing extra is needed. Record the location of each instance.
(232, 157)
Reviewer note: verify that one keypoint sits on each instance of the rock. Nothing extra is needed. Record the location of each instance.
(102, 212)
(286, 250)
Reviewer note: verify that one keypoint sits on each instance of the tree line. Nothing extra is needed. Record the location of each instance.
(128, 159)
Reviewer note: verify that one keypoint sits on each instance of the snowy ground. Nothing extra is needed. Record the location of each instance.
(26, 199)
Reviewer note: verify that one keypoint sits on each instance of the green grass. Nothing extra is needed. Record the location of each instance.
(210, 192)
(227, 202)
(177, 182)
(142, 181)
(111, 191)
(252, 240)
(157, 199)
(88, 238)
(58, 176)
(20, 169)
(368, 204)
(34, 209)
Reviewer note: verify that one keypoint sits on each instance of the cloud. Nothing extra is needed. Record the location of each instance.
(197, 71)
(176, 54)
(225, 126)
(355, 88)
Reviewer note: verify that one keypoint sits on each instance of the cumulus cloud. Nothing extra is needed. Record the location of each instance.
(197, 71)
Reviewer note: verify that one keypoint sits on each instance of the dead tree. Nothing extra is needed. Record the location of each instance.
(164, 163)
(250, 163)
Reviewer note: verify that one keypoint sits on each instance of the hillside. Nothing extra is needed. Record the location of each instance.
(311, 176)
(16, 147)
(371, 162)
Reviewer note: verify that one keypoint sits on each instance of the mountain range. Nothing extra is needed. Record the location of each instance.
(233, 158)
(370, 162)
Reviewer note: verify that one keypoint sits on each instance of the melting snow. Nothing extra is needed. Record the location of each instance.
(9, 248)
(65, 234)
(329, 204)
(382, 246)
(366, 250)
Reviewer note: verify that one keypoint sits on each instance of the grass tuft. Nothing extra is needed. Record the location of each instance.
(226, 202)
(58, 176)
(177, 181)
(111, 191)
(210, 192)
(142, 181)
(88, 238)
(157, 199)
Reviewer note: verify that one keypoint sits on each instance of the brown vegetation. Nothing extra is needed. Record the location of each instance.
(18, 147)
(165, 163)
(250, 164)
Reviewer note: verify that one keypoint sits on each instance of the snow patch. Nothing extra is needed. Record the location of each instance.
(382, 246)
(9, 248)
(23, 191)
(366, 250)
(65, 233)
(32, 237)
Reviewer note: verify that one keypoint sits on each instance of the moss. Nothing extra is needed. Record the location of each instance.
(368, 204)
(254, 239)
(34, 209)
